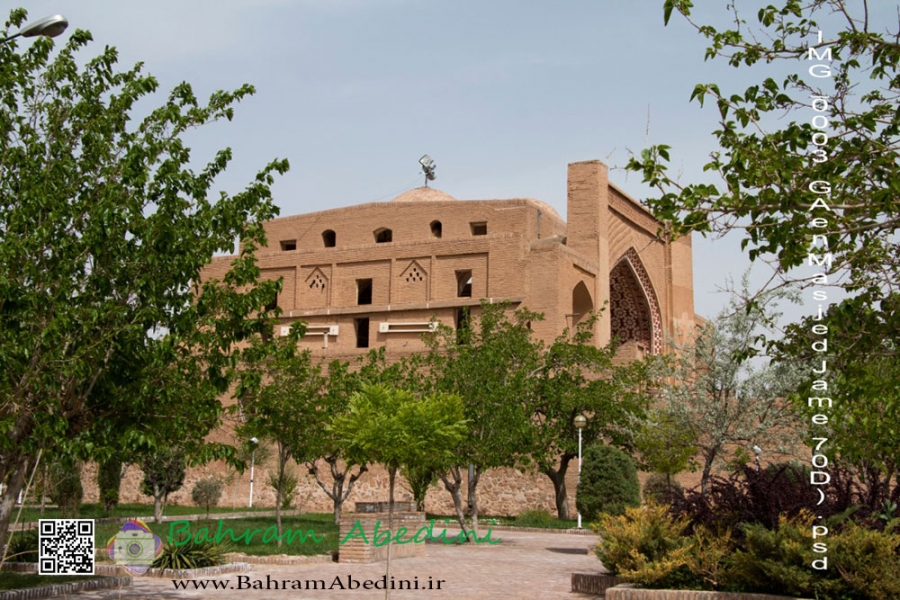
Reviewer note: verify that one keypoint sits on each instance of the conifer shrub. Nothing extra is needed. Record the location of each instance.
(608, 483)
(109, 480)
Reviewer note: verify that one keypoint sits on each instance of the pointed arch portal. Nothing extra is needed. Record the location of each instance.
(634, 310)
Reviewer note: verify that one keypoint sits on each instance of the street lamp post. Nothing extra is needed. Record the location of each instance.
(254, 442)
(757, 451)
(579, 422)
(48, 26)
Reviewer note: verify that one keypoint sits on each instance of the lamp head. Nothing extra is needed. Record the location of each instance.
(580, 422)
(48, 26)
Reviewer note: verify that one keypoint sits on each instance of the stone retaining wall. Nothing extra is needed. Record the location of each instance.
(624, 592)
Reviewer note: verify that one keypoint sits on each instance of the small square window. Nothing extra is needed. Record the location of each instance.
(479, 228)
(288, 245)
(363, 291)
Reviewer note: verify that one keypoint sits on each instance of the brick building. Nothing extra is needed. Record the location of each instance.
(376, 274)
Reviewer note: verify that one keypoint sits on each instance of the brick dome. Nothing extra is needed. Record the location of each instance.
(423, 194)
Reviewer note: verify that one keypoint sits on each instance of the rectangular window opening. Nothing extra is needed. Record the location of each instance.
(464, 284)
(362, 332)
(288, 245)
(479, 228)
(363, 291)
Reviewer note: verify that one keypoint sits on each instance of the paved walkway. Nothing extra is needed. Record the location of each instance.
(524, 565)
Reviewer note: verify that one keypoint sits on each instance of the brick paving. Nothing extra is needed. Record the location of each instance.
(527, 565)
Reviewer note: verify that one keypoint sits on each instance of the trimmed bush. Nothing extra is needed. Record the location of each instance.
(109, 480)
(206, 493)
(609, 483)
(536, 518)
(662, 489)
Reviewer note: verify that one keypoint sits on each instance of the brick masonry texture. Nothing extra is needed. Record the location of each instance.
(446, 254)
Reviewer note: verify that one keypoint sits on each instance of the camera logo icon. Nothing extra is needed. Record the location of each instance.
(135, 547)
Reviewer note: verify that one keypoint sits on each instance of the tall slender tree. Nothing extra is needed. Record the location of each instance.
(104, 231)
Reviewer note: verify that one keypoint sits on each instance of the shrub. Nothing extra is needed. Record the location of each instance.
(109, 480)
(23, 546)
(288, 487)
(206, 493)
(868, 561)
(662, 489)
(66, 491)
(751, 496)
(608, 483)
(536, 518)
(776, 560)
(646, 546)
(196, 555)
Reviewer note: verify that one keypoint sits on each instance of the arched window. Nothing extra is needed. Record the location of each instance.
(329, 237)
(383, 235)
(437, 229)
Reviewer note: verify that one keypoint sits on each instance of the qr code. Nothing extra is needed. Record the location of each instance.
(66, 547)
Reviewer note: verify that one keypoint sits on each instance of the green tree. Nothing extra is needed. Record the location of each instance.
(713, 391)
(104, 231)
(862, 434)
(397, 429)
(770, 149)
(206, 493)
(491, 366)
(164, 472)
(280, 397)
(575, 377)
(342, 383)
(665, 444)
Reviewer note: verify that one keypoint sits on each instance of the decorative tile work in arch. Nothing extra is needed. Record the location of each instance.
(413, 283)
(634, 311)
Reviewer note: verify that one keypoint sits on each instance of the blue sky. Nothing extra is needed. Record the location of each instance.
(502, 94)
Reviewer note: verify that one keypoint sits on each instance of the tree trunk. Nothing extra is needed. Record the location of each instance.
(338, 477)
(282, 464)
(474, 477)
(14, 485)
(707, 471)
(558, 477)
(392, 475)
(159, 503)
(454, 486)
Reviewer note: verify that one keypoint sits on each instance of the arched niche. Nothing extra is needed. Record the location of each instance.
(582, 304)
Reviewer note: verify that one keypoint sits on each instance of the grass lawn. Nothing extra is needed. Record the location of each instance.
(95, 511)
(321, 525)
(18, 581)
(537, 520)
